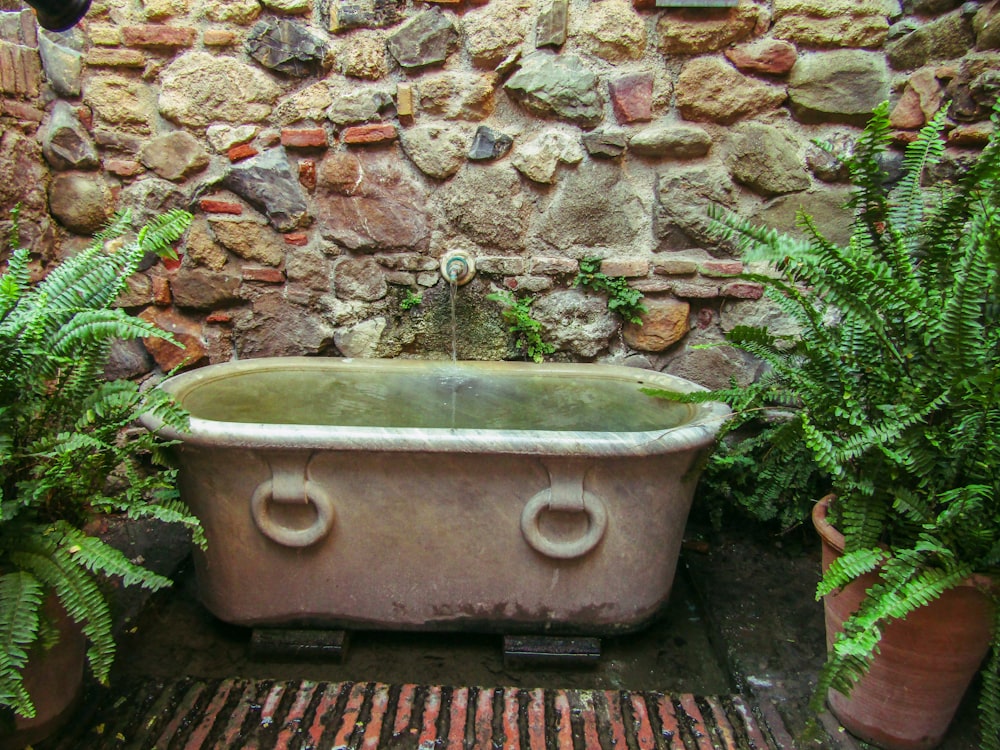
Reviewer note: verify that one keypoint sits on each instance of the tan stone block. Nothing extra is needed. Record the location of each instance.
(664, 323)
(249, 240)
(100, 57)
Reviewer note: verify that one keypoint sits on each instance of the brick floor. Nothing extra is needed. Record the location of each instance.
(188, 714)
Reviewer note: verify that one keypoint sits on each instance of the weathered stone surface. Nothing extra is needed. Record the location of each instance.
(605, 143)
(308, 267)
(65, 142)
(770, 56)
(150, 197)
(826, 207)
(985, 24)
(701, 30)
(562, 87)
(841, 85)
(494, 31)
(714, 367)
(199, 89)
(249, 240)
(127, 359)
(683, 197)
(921, 99)
(340, 172)
(277, 327)
(384, 211)
(351, 106)
(595, 207)
(767, 159)
(832, 8)
(815, 23)
(22, 155)
(288, 47)
(487, 204)
(671, 141)
(488, 144)
(80, 202)
(364, 56)
(174, 156)
(186, 331)
(203, 289)
(975, 135)
(613, 31)
(240, 12)
(362, 339)
(710, 90)
(120, 101)
(975, 89)
(664, 323)
(930, 7)
(268, 183)
(574, 321)
(372, 14)
(291, 7)
(223, 137)
(309, 103)
(830, 166)
(437, 149)
(458, 96)
(359, 278)
(201, 247)
(632, 97)
(426, 39)
(63, 66)
(538, 158)
(944, 38)
(550, 26)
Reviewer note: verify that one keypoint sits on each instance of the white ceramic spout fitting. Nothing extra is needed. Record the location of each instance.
(458, 266)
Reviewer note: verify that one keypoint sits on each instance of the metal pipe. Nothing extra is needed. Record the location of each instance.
(59, 16)
(458, 266)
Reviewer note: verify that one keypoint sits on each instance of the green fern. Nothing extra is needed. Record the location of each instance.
(63, 454)
(892, 385)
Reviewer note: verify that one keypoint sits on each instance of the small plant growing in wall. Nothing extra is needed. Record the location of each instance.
(527, 330)
(622, 298)
(410, 300)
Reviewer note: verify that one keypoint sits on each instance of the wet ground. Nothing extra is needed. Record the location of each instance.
(741, 620)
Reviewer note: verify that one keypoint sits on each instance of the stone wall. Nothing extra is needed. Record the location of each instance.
(332, 150)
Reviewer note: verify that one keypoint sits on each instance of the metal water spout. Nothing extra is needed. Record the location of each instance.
(59, 16)
(458, 267)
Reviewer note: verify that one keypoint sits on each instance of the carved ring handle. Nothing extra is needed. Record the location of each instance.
(260, 505)
(597, 518)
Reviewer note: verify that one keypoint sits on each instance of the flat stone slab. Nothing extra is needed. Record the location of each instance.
(238, 713)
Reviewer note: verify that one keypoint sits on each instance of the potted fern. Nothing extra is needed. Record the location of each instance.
(64, 457)
(890, 396)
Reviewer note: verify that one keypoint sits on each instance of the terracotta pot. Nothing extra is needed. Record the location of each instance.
(924, 664)
(54, 680)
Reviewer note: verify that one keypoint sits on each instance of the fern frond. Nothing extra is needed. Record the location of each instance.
(848, 567)
(98, 557)
(14, 281)
(989, 694)
(77, 591)
(162, 230)
(88, 327)
(906, 209)
(20, 602)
